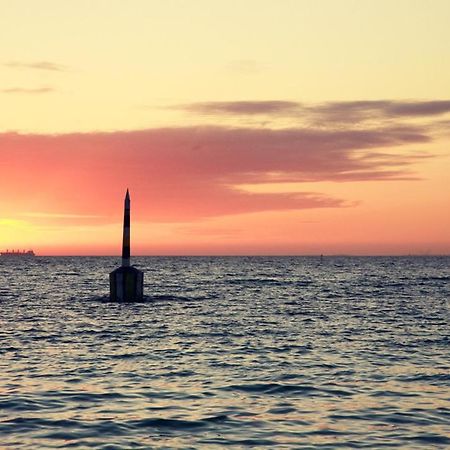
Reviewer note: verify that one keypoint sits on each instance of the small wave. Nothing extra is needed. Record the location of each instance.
(424, 377)
(155, 298)
(434, 439)
(293, 389)
(435, 278)
(179, 373)
(30, 423)
(270, 388)
(394, 394)
(175, 424)
(328, 432)
(267, 281)
(91, 397)
(179, 298)
(283, 410)
(24, 404)
(215, 419)
(254, 443)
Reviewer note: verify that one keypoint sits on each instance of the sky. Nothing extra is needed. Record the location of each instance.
(264, 127)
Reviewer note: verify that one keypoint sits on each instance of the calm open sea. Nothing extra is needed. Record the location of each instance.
(285, 352)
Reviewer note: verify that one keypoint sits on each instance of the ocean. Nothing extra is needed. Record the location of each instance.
(226, 352)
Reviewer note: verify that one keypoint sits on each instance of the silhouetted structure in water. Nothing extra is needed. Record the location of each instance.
(17, 253)
(126, 283)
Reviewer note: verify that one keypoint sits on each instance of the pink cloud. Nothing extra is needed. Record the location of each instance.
(180, 174)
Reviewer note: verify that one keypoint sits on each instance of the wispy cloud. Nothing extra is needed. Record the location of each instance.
(423, 108)
(381, 109)
(21, 90)
(39, 65)
(331, 111)
(275, 107)
(45, 215)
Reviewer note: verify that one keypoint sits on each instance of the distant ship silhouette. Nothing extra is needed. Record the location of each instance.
(18, 253)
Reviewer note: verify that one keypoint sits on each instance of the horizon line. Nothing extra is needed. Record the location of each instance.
(221, 255)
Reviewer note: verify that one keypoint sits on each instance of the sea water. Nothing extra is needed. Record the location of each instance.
(237, 352)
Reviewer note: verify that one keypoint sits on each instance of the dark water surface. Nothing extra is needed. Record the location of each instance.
(227, 352)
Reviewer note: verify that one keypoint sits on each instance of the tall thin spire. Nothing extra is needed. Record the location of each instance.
(126, 232)
(126, 283)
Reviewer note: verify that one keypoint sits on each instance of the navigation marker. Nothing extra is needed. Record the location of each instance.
(126, 283)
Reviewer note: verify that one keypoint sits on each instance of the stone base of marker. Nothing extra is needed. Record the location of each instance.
(126, 284)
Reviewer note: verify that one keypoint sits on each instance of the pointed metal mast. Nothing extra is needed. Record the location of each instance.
(126, 232)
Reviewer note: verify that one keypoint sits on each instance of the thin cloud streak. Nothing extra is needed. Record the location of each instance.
(335, 111)
(275, 107)
(46, 215)
(39, 65)
(424, 108)
(20, 90)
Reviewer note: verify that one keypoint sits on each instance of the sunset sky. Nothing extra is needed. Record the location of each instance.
(240, 127)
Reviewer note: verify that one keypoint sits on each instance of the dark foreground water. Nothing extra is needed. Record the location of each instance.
(226, 352)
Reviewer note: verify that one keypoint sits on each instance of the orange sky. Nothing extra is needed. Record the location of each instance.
(307, 128)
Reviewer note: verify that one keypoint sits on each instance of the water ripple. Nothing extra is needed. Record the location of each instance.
(263, 352)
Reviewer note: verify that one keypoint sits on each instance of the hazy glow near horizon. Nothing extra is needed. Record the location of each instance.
(259, 127)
